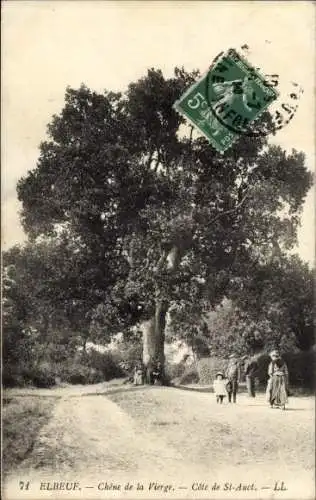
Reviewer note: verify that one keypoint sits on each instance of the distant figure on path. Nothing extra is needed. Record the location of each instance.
(251, 368)
(277, 389)
(157, 374)
(139, 374)
(233, 376)
(219, 386)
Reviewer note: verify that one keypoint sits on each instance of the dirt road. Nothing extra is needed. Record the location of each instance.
(180, 437)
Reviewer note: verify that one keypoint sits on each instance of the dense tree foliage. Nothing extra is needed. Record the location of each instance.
(281, 293)
(40, 316)
(272, 306)
(158, 219)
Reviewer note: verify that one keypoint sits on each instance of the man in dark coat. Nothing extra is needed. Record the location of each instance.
(157, 374)
(251, 368)
(233, 377)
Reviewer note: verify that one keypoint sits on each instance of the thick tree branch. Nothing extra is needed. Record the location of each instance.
(161, 261)
(158, 160)
(173, 258)
(191, 134)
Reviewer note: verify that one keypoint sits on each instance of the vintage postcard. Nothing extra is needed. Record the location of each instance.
(158, 249)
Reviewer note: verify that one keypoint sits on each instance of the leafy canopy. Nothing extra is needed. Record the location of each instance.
(154, 210)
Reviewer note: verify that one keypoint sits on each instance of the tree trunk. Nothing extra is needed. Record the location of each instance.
(154, 329)
(154, 339)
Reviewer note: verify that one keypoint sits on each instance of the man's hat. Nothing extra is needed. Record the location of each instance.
(274, 354)
(219, 373)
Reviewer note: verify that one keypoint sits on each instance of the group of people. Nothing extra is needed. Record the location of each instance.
(152, 375)
(226, 383)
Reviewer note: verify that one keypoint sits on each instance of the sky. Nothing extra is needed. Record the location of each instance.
(49, 45)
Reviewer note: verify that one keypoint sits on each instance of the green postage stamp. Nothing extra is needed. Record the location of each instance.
(224, 101)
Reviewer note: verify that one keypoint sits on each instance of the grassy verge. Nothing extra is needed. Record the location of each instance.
(22, 419)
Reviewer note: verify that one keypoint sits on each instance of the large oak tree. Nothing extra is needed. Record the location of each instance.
(169, 223)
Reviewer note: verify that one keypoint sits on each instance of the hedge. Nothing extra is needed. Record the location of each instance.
(89, 368)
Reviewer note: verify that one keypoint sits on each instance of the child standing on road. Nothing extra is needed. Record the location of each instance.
(219, 387)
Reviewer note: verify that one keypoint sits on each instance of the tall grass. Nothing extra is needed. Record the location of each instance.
(22, 420)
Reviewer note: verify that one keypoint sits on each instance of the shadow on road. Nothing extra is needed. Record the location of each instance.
(296, 409)
(115, 391)
(208, 388)
(192, 389)
(131, 388)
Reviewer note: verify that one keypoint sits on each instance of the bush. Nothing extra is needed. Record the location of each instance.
(82, 375)
(20, 376)
(42, 379)
(190, 376)
(12, 377)
(82, 368)
(43, 375)
(104, 363)
(77, 373)
(175, 370)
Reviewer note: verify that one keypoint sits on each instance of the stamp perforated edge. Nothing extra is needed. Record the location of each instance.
(237, 135)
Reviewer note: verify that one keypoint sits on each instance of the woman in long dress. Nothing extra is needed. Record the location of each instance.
(139, 374)
(277, 389)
